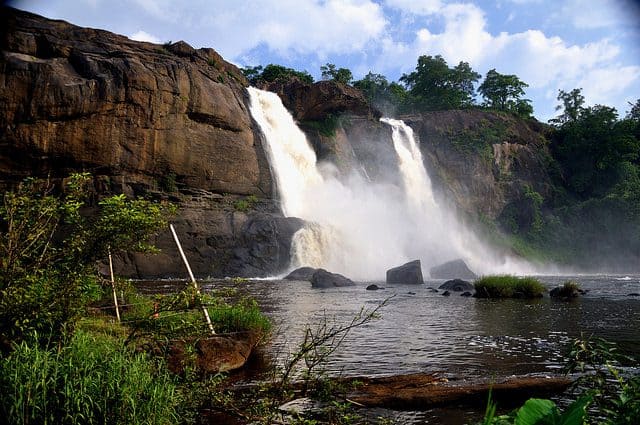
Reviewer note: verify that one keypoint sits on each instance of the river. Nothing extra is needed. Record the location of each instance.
(422, 331)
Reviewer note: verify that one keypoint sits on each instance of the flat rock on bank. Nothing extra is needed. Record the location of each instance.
(419, 391)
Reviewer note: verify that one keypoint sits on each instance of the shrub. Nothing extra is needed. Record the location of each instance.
(569, 289)
(506, 286)
(95, 379)
(244, 205)
(48, 250)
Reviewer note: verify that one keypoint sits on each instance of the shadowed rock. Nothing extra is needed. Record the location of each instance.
(324, 279)
(302, 273)
(373, 287)
(410, 272)
(457, 285)
(456, 269)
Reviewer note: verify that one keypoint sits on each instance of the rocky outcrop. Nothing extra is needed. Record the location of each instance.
(486, 163)
(456, 269)
(457, 285)
(302, 273)
(324, 279)
(166, 121)
(314, 102)
(409, 273)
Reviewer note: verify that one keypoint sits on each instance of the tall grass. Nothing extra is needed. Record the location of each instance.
(93, 380)
(506, 286)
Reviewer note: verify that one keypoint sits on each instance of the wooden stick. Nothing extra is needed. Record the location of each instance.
(193, 279)
(113, 286)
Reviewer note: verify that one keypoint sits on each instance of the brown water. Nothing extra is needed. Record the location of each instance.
(423, 331)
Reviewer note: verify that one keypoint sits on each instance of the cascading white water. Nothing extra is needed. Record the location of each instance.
(361, 228)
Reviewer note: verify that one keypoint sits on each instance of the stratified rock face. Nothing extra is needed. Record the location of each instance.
(410, 273)
(168, 121)
(456, 269)
(78, 98)
(487, 163)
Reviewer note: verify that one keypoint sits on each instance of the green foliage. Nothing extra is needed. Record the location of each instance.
(48, 250)
(326, 126)
(506, 286)
(387, 97)
(272, 72)
(241, 316)
(538, 411)
(572, 106)
(246, 203)
(502, 91)
(339, 75)
(95, 379)
(435, 86)
(616, 395)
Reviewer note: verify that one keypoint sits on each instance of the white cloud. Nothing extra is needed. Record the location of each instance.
(593, 14)
(418, 7)
(545, 62)
(290, 27)
(144, 36)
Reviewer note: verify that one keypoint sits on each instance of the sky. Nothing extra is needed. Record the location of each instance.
(549, 44)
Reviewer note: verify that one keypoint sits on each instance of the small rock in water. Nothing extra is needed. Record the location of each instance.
(411, 293)
(466, 294)
(373, 287)
(410, 273)
(433, 290)
(634, 294)
(457, 285)
(446, 293)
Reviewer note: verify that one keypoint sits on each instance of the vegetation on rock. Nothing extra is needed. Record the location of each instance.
(506, 286)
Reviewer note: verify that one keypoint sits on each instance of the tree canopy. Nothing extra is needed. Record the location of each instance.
(272, 72)
(435, 86)
(340, 75)
(503, 91)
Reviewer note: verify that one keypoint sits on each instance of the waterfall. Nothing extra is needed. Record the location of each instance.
(360, 227)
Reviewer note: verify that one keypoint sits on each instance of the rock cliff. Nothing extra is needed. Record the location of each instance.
(145, 119)
(172, 122)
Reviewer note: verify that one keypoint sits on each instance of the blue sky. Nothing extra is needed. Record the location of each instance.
(551, 45)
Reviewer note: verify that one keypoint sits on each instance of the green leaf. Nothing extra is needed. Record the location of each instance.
(537, 411)
(576, 412)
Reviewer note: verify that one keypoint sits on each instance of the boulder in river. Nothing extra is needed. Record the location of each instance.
(457, 285)
(373, 287)
(324, 279)
(303, 273)
(410, 272)
(456, 269)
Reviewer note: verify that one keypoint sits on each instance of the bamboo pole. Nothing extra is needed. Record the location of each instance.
(113, 286)
(193, 279)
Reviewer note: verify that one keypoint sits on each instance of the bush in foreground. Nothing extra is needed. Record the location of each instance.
(506, 286)
(94, 379)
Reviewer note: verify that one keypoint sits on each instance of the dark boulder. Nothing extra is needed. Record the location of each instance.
(568, 291)
(303, 273)
(410, 272)
(324, 279)
(457, 285)
(466, 294)
(446, 293)
(373, 287)
(634, 294)
(456, 269)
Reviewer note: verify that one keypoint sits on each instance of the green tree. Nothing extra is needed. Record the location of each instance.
(435, 86)
(48, 249)
(340, 75)
(388, 97)
(272, 72)
(502, 91)
(572, 106)
(634, 113)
